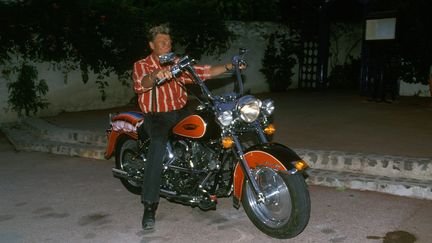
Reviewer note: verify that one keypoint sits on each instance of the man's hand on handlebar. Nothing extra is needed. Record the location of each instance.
(230, 67)
(242, 64)
(160, 74)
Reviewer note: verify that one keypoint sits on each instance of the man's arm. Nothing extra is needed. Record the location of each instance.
(140, 78)
(144, 81)
(147, 81)
(220, 69)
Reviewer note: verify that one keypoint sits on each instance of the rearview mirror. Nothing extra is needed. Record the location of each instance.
(166, 58)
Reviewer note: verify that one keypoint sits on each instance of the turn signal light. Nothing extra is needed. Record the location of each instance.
(227, 142)
(270, 129)
(300, 165)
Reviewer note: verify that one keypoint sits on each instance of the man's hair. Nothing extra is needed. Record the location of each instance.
(159, 29)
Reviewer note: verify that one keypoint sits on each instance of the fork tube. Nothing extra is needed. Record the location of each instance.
(239, 78)
(258, 194)
(260, 132)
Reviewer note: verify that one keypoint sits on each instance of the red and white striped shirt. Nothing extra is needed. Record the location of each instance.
(170, 95)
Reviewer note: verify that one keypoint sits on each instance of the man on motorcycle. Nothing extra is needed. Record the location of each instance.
(162, 107)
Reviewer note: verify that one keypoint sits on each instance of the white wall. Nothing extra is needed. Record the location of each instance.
(72, 95)
(252, 36)
(409, 89)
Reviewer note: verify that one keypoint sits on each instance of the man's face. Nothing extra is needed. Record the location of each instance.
(161, 44)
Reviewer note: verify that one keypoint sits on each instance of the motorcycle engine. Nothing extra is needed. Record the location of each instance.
(193, 162)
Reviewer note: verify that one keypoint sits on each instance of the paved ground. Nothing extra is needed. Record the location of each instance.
(348, 122)
(55, 198)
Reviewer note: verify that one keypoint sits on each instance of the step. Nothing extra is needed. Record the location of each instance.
(379, 165)
(24, 140)
(54, 133)
(400, 176)
(413, 188)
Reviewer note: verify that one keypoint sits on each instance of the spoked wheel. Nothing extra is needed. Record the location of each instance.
(285, 212)
(128, 159)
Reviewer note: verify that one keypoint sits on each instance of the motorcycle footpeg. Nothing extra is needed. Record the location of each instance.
(207, 205)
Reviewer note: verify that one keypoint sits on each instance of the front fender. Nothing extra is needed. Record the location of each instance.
(273, 155)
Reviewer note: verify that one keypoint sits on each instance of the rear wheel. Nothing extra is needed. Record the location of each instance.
(129, 160)
(285, 213)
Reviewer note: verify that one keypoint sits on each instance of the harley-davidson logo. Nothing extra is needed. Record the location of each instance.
(190, 126)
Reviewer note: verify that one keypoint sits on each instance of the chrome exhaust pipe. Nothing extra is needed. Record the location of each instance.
(120, 173)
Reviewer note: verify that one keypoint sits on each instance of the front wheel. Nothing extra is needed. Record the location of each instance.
(285, 212)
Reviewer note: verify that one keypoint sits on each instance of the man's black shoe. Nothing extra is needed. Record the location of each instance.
(148, 220)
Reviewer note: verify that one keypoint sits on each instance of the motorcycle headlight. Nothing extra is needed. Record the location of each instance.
(268, 107)
(249, 108)
(225, 117)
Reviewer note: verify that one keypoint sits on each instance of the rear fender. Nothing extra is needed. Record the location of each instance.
(113, 138)
(122, 124)
(272, 155)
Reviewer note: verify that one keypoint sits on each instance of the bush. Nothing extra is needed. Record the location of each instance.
(279, 61)
(345, 76)
(26, 93)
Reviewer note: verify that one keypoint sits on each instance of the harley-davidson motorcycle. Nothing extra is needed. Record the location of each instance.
(209, 155)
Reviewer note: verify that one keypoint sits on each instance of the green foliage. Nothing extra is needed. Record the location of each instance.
(105, 36)
(346, 75)
(251, 10)
(345, 70)
(410, 73)
(26, 93)
(196, 25)
(279, 61)
(345, 38)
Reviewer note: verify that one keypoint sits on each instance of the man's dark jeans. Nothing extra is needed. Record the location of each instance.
(157, 126)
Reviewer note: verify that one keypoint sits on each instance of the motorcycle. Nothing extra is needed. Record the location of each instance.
(209, 156)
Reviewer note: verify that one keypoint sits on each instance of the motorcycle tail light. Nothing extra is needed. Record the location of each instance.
(300, 165)
(227, 142)
(270, 129)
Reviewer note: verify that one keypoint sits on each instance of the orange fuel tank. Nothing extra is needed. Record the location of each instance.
(192, 126)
